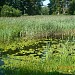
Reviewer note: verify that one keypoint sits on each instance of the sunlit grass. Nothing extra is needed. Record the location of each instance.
(30, 27)
(38, 45)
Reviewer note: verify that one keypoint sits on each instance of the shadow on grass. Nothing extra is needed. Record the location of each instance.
(56, 73)
(30, 72)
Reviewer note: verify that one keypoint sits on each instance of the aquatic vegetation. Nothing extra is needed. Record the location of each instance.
(38, 45)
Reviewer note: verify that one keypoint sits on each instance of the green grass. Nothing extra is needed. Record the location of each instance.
(38, 45)
(30, 27)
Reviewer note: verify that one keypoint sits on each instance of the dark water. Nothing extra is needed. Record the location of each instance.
(1, 70)
(34, 47)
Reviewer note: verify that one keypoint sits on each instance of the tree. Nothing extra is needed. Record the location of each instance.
(72, 7)
(54, 6)
(61, 6)
(2, 2)
(45, 10)
(51, 6)
(31, 7)
(9, 11)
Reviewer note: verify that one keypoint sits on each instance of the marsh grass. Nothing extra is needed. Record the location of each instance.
(31, 27)
(51, 36)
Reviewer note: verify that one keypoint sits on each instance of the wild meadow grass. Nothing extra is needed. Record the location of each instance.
(38, 45)
(35, 27)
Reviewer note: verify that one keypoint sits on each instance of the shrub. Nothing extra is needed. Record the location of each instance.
(9, 11)
(45, 11)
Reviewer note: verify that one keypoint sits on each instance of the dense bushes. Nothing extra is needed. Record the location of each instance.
(9, 11)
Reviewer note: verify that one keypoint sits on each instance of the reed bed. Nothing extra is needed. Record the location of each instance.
(30, 27)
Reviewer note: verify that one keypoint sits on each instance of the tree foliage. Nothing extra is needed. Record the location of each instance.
(45, 10)
(61, 6)
(34, 7)
(72, 7)
(9, 11)
(31, 7)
